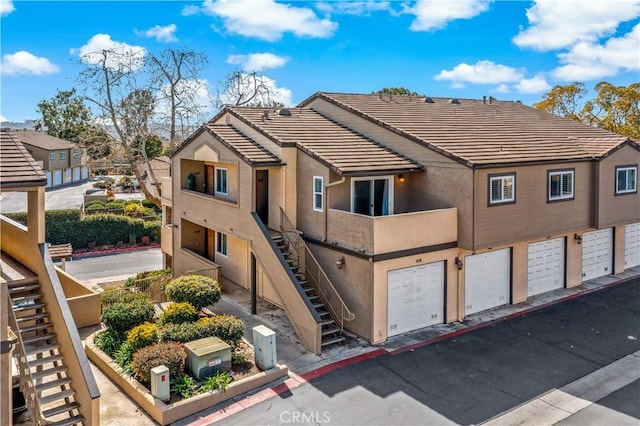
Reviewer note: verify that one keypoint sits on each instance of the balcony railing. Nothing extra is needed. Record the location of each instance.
(167, 191)
(384, 234)
(166, 239)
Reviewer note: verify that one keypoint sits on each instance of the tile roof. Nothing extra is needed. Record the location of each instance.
(43, 140)
(17, 166)
(249, 150)
(339, 148)
(477, 133)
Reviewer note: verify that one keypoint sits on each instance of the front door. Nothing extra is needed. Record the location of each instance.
(209, 185)
(372, 197)
(262, 195)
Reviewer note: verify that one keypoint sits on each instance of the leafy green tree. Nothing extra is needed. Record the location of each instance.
(152, 146)
(400, 91)
(63, 116)
(563, 101)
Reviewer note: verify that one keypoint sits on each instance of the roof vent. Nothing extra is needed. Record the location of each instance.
(285, 112)
(455, 101)
(428, 100)
(265, 116)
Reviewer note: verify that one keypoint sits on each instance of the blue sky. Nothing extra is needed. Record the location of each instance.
(513, 50)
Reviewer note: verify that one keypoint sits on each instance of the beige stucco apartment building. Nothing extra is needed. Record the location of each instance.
(380, 215)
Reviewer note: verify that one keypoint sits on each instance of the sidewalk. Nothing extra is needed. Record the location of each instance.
(116, 409)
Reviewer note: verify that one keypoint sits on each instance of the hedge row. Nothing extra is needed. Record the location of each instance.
(65, 226)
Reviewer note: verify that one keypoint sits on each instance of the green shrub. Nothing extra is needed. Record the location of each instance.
(177, 313)
(144, 279)
(142, 335)
(227, 327)
(134, 209)
(148, 204)
(125, 316)
(170, 354)
(110, 297)
(183, 333)
(93, 203)
(94, 208)
(184, 386)
(219, 381)
(110, 340)
(123, 357)
(198, 290)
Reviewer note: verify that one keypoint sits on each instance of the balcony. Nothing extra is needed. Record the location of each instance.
(166, 239)
(166, 190)
(383, 234)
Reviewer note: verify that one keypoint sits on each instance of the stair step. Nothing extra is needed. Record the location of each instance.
(68, 422)
(334, 340)
(324, 314)
(33, 317)
(34, 349)
(43, 361)
(328, 322)
(329, 331)
(29, 307)
(48, 372)
(23, 288)
(56, 396)
(17, 299)
(64, 408)
(319, 305)
(58, 383)
(41, 326)
(38, 338)
(314, 297)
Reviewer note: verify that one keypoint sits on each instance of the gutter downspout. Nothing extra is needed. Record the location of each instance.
(326, 207)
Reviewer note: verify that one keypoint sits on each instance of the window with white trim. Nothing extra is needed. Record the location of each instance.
(52, 156)
(561, 185)
(221, 180)
(318, 193)
(63, 155)
(626, 179)
(221, 243)
(502, 189)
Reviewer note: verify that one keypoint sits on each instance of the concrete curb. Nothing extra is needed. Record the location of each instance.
(98, 253)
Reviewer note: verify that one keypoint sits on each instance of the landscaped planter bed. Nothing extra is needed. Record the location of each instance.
(168, 413)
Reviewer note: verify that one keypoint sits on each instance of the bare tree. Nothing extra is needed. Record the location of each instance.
(245, 89)
(175, 76)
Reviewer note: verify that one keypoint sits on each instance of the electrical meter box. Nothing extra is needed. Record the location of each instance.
(264, 347)
(160, 382)
(205, 357)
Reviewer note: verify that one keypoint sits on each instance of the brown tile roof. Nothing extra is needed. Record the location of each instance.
(43, 140)
(245, 147)
(477, 133)
(17, 166)
(339, 148)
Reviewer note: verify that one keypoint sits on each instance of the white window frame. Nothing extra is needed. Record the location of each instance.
(502, 179)
(626, 170)
(52, 155)
(318, 195)
(219, 180)
(63, 155)
(222, 244)
(561, 173)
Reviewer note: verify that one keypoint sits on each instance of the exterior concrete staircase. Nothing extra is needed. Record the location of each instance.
(46, 387)
(331, 332)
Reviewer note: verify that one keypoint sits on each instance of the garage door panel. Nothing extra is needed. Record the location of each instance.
(487, 280)
(415, 298)
(545, 266)
(632, 245)
(597, 253)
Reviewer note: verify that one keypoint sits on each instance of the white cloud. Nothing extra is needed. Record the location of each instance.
(257, 61)
(268, 20)
(165, 34)
(591, 61)
(482, 72)
(277, 94)
(190, 10)
(6, 7)
(537, 84)
(23, 62)
(432, 15)
(360, 8)
(503, 88)
(3, 118)
(120, 54)
(555, 24)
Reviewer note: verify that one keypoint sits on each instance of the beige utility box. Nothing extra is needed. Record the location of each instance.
(205, 357)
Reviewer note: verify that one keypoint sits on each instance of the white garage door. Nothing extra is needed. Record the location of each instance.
(48, 175)
(487, 278)
(67, 175)
(596, 253)
(545, 266)
(415, 297)
(632, 245)
(76, 174)
(85, 172)
(57, 177)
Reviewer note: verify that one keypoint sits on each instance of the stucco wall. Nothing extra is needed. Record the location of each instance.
(617, 209)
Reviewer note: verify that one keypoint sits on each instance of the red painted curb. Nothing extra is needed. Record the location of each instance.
(113, 251)
(314, 374)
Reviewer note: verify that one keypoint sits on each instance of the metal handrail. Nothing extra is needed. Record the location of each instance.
(314, 272)
(27, 383)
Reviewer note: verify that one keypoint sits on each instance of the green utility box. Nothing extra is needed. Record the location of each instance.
(205, 357)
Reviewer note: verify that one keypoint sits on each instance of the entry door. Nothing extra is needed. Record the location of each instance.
(545, 266)
(209, 185)
(415, 298)
(597, 248)
(487, 279)
(262, 195)
(632, 245)
(372, 197)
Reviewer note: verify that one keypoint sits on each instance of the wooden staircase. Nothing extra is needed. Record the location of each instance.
(44, 381)
(331, 332)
